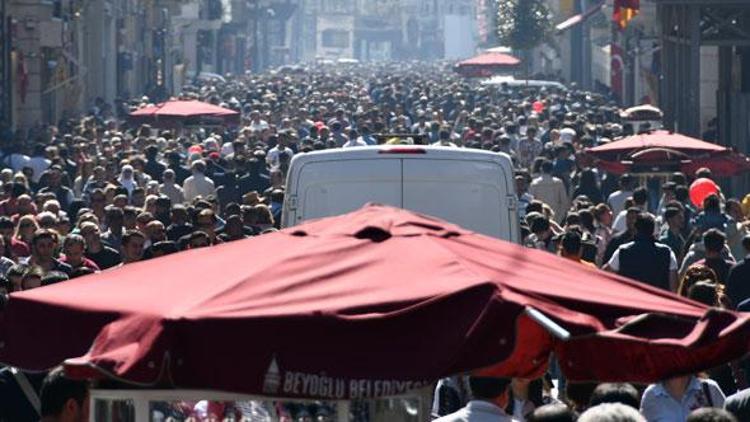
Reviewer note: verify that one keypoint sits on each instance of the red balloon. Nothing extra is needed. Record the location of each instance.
(700, 189)
(537, 106)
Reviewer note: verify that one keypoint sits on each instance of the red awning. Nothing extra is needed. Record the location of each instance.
(656, 139)
(491, 59)
(487, 64)
(662, 149)
(366, 304)
(179, 110)
(581, 17)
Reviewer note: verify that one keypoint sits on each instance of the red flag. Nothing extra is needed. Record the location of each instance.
(616, 71)
(624, 11)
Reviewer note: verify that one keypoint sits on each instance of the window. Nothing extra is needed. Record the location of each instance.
(334, 38)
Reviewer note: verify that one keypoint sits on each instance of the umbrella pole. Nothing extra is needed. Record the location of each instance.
(549, 325)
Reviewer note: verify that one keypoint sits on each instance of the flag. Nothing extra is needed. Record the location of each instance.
(616, 71)
(624, 11)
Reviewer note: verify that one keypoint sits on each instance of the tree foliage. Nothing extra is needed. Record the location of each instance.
(522, 24)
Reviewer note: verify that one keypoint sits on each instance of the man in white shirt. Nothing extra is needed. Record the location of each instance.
(273, 158)
(640, 201)
(551, 191)
(198, 184)
(490, 396)
(256, 123)
(15, 159)
(617, 199)
(38, 162)
(354, 140)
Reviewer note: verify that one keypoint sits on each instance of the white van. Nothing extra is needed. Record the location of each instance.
(471, 188)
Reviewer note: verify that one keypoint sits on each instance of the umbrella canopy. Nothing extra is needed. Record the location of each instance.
(367, 304)
(666, 150)
(179, 110)
(487, 64)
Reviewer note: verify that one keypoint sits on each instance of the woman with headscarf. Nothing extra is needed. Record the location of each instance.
(126, 179)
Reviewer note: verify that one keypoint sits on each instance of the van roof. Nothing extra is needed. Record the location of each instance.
(401, 151)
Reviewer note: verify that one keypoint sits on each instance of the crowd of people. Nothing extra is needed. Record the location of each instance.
(99, 192)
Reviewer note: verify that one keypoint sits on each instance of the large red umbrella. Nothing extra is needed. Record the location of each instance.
(181, 110)
(367, 304)
(663, 149)
(487, 64)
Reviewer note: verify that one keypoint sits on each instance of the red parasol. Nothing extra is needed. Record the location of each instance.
(367, 304)
(179, 110)
(487, 64)
(673, 151)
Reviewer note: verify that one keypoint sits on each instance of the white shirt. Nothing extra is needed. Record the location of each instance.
(17, 161)
(478, 411)
(621, 222)
(614, 262)
(258, 126)
(272, 158)
(617, 200)
(39, 165)
(198, 185)
(354, 143)
(658, 405)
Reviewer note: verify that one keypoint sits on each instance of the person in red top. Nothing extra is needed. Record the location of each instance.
(9, 206)
(74, 246)
(13, 248)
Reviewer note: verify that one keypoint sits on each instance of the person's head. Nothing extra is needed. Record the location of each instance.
(165, 247)
(199, 239)
(263, 215)
(489, 389)
(15, 276)
(626, 182)
(205, 221)
(733, 207)
(714, 241)
(540, 226)
(27, 226)
(114, 218)
(644, 225)
(640, 197)
(703, 173)
(32, 277)
(603, 214)
(90, 232)
(712, 203)
(710, 414)
(674, 217)
(155, 231)
(234, 227)
(616, 393)
(693, 275)
(168, 176)
(74, 246)
(520, 185)
(547, 167)
(132, 245)
(198, 167)
(611, 412)
(707, 293)
(557, 412)
(571, 245)
(63, 399)
(682, 194)
(43, 244)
